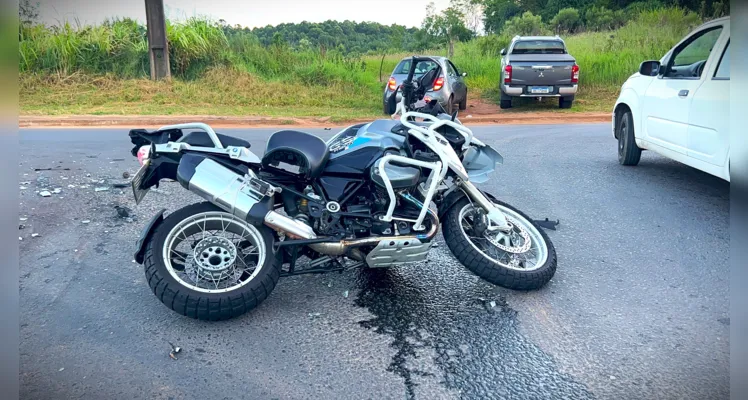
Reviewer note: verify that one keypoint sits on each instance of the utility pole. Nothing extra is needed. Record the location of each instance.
(157, 46)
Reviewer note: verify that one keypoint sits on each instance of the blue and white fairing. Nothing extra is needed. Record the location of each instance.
(357, 147)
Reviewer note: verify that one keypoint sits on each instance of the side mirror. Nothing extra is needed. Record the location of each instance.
(464, 74)
(649, 68)
(503, 52)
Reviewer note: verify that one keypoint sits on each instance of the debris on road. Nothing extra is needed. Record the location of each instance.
(51, 169)
(345, 294)
(21, 226)
(45, 193)
(71, 186)
(35, 235)
(120, 184)
(23, 218)
(86, 221)
(101, 189)
(174, 351)
(547, 224)
(314, 315)
(61, 369)
(493, 304)
(24, 183)
(23, 187)
(20, 238)
(122, 212)
(125, 175)
(57, 190)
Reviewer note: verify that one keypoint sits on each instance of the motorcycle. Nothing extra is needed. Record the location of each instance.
(372, 196)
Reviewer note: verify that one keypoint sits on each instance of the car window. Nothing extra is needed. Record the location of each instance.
(538, 47)
(689, 60)
(421, 67)
(723, 70)
(451, 69)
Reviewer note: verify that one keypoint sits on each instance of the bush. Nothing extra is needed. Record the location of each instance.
(566, 20)
(525, 25)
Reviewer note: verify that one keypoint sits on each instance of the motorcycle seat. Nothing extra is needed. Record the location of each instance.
(201, 139)
(306, 152)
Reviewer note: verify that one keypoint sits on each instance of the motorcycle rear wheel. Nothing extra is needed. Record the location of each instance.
(527, 260)
(204, 263)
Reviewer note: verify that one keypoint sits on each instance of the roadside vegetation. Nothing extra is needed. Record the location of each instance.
(327, 69)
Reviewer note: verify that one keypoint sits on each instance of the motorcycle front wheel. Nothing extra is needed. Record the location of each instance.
(522, 259)
(207, 264)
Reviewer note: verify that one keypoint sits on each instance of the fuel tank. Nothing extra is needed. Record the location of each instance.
(358, 147)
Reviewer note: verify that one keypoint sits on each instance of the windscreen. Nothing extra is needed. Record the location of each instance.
(539, 47)
(421, 67)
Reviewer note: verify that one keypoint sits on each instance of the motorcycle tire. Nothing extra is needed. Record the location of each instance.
(489, 269)
(199, 304)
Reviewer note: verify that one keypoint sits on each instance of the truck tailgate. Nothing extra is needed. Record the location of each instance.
(541, 69)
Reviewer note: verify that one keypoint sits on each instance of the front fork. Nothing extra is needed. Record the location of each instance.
(494, 215)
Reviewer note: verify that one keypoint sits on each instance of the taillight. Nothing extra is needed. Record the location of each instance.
(143, 154)
(392, 83)
(575, 73)
(439, 83)
(508, 74)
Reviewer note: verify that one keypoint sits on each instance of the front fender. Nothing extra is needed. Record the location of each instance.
(479, 162)
(454, 197)
(146, 235)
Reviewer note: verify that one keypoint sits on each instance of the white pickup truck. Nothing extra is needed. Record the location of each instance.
(679, 106)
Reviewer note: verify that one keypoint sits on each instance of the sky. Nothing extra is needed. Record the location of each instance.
(248, 13)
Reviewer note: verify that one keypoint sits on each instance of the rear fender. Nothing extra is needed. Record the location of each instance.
(146, 234)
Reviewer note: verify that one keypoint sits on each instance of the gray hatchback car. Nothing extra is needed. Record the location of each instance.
(449, 88)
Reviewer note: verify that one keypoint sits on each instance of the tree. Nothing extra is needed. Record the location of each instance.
(566, 20)
(28, 12)
(472, 11)
(599, 18)
(497, 12)
(447, 27)
(527, 24)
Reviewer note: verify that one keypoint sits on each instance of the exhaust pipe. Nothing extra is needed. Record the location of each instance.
(251, 200)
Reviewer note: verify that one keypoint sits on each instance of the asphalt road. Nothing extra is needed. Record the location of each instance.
(638, 308)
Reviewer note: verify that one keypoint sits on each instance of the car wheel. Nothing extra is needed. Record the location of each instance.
(564, 102)
(463, 103)
(506, 101)
(450, 105)
(628, 152)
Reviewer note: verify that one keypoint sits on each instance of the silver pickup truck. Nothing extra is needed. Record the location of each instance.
(538, 66)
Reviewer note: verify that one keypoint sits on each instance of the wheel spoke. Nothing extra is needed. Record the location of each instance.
(234, 254)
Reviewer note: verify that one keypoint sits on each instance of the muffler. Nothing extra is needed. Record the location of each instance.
(248, 198)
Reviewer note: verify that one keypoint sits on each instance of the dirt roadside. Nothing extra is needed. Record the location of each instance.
(479, 113)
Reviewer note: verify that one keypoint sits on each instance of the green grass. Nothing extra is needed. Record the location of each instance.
(103, 70)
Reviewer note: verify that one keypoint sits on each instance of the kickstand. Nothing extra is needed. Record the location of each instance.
(547, 224)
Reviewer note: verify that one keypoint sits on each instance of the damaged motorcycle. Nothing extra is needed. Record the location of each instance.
(373, 196)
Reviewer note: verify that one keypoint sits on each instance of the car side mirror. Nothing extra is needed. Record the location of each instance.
(464, 74)
(503, 52)
(649, 68)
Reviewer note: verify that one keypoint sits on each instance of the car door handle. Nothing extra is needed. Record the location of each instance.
(683, 93)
